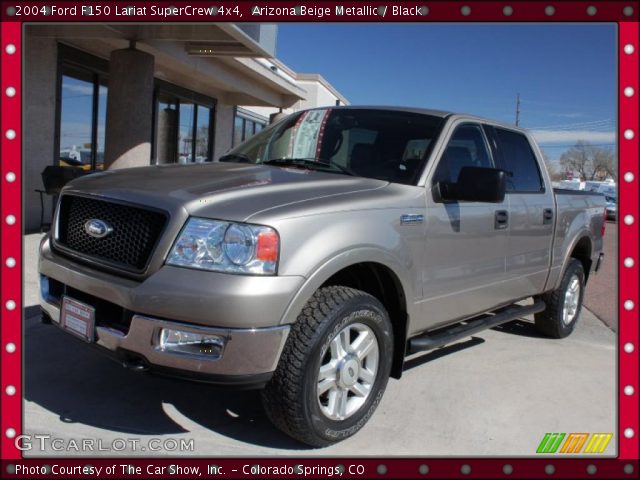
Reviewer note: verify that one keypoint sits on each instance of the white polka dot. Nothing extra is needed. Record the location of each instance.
(628, 262)
(628, 177)
(628, 134)
(10, 390)
(10, 177)
(628, 305)
(10, 219)
(628, 92)
(592, 10)
(11, 262)
(629, 433)
(628, 219)
(628, 10)
(10, 49)
(10, 92)
(628, 49)
(466, 10)
(10, 433)
(550, 10)
(507, 10)
(11, 347)
(628, 390)
(628, 347)
(10, 134)
(11, 305)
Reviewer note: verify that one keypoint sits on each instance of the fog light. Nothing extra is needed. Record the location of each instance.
(191, 343)
(44, 287)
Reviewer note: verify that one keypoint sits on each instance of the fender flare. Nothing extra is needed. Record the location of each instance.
(329, 267)
(583, 233)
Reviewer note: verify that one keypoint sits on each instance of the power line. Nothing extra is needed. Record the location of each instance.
(569, 145)
(593, 123)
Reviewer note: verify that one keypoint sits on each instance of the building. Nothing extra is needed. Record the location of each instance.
(250, 119)
(124, 95)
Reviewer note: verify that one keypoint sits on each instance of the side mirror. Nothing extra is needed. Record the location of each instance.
(475, 184)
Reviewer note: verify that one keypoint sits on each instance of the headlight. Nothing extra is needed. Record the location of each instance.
(226, 247)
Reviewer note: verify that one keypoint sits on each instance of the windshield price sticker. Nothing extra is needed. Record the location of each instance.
(307, 136)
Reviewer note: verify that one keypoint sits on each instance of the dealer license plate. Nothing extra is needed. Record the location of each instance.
(78, 318)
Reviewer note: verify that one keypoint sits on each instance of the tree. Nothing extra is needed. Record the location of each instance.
(590, 161)
(552, 168)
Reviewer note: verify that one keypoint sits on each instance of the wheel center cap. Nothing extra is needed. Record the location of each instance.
(349, 371)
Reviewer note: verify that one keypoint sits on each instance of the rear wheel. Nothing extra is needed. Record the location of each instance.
(564, 304)
(333, 369)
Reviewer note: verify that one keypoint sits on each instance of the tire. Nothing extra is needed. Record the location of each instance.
(292, 398)
(552, 321)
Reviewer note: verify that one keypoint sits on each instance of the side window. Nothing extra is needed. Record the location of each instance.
(519, 159)
(466, 148)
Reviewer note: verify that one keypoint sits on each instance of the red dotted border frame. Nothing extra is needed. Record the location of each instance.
(626, 465)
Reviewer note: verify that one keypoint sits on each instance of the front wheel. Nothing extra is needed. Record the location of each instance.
(334, 367)
(564, 304)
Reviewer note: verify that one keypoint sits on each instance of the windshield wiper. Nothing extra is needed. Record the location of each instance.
(311, 164)
(235, 157)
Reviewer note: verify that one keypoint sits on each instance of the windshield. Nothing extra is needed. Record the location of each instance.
(384, 144)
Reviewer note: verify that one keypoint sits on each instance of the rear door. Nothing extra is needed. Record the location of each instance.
(466, 242)
(531, 209)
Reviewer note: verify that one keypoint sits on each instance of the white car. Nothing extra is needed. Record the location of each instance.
(612, 207)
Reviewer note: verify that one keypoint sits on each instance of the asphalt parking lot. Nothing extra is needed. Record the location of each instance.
(496, 393)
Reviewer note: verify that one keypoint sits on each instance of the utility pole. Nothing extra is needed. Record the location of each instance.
(518, 110)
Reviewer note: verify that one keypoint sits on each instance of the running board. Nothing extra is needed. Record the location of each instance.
(446, 335)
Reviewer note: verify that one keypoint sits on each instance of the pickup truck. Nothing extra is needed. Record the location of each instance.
(310, 260)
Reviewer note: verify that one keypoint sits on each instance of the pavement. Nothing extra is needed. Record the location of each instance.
(601, 296)
(496, 393)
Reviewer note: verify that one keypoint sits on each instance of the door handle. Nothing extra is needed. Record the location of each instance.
(547, 216)
(501, 220)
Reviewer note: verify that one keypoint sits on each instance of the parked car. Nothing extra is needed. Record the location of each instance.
(311, 259)
(612, 207)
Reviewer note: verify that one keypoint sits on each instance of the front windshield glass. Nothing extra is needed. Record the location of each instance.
(384, 144)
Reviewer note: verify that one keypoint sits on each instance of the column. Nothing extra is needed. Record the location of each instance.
(129, 109)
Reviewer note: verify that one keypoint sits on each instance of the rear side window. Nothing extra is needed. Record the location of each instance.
(519, 159)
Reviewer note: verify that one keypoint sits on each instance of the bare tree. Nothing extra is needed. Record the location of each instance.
(555, 174)
(590, 161)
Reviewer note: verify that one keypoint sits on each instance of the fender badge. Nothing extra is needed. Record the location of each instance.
(411, 219)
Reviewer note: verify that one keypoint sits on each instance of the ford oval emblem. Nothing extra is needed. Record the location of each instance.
(97, 228)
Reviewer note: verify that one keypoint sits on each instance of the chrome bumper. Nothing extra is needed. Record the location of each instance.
(247, 353)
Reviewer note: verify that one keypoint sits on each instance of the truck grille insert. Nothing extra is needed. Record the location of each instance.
(135, 232)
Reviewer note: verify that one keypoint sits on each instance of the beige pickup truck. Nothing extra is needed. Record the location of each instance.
(313, 258)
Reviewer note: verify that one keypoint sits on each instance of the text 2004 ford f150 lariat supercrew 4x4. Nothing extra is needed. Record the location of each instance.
(311, 259)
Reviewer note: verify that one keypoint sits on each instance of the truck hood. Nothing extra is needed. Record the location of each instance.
(228, 191)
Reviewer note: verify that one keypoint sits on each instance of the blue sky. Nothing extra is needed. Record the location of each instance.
(566, 74)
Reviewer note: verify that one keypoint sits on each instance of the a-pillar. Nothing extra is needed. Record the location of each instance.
(129, 109)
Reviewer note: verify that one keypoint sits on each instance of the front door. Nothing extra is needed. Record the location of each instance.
(466, 242)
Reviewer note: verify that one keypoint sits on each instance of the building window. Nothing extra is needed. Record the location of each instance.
(183, 127)
(244, 127)
(82, 118)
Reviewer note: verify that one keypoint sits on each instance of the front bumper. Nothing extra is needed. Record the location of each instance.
(248, 359)
(241, 309)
